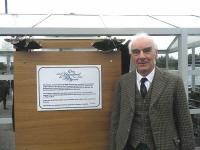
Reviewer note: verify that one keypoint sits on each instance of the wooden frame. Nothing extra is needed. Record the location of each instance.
(62, 130)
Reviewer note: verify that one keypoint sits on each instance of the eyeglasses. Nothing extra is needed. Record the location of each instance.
(145, 50)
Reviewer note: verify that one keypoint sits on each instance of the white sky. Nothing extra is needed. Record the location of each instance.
(113, 7)
(110, 7)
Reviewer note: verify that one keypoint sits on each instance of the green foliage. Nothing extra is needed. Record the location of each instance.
(197, 59)
(173, 63)
(161, 62)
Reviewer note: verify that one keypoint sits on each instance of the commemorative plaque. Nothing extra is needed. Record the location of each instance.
(68, 87)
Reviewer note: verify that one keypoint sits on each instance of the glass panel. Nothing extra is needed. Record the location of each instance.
(20, 20)
(194, 83)
(194, 92)
(173, 61)
(6, 89)
(2, 6)
(6, 63)
(96, 21)
(3, 64)
(196, 125)
(162, 42)
(174, 46)
(181, 21)
(194, 61)
(133, 22)
(5, 46)
(197, 57)
(74, 21)
(193, 40)
(161, 61)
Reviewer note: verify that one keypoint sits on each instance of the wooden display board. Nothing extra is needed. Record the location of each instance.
(66, 129)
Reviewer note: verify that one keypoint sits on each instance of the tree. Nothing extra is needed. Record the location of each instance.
(173, 63)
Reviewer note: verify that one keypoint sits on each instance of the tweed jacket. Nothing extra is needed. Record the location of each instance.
(169, 114)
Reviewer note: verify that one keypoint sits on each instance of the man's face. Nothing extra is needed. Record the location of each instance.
(143, 55)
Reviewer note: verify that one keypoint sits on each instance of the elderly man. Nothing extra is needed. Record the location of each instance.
(150, 109)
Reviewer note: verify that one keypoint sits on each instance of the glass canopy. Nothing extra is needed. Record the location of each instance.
(98, 21)
(164, 28)
(181, 21)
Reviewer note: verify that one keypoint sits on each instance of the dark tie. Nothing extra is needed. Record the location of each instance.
(142, 146)
(143, 89)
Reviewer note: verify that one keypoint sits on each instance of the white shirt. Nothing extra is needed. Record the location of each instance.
(149, 79)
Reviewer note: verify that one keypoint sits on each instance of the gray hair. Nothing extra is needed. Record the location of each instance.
(141, 35)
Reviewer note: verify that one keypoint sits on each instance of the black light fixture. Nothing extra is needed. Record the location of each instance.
(24, 44)
(108, 45)
(27, 45)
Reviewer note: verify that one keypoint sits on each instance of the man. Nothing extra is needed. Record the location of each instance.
(154, 114)
(4, 89)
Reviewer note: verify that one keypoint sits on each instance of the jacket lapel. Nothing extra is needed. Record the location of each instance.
(158, 85)
(131, 85)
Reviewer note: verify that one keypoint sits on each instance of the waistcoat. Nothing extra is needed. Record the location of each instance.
(141, 131)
